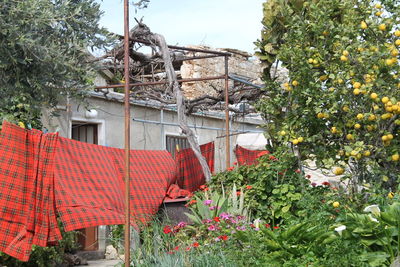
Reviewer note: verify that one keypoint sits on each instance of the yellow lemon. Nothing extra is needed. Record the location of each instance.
(378, 6)
(371, 117)
(338, 171)
(320, 115)
(357, 126)
(343, 58)
(295, 83)
(364, 25)
(345, 53)
(394, 52)
(385, 99)
(310, 60)
(333, 130)
(389, 62)
(300, 139)
(390, 195)
(395, 157)
(356, 85)
(295, 141)
(346, 109)
(390, 136)
(336, 204)
(367, 153)
(382, 27)
(349, 137)
(374, 96)
(356, 91)
(397, 33)
(378, 14)
(384, 138)
(360, 116)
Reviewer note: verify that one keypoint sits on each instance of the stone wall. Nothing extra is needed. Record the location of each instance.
(240, 63)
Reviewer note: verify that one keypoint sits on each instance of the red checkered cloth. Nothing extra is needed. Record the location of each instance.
(26, 197)
(174, 192)
(248, 157)
(89, 183)
(190, 175)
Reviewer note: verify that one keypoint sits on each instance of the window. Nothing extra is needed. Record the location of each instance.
(173, 142)
(85, 132)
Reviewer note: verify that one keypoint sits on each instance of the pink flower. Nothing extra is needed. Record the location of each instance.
(207, 202)
(182, 224)
(224, 216)
(213, 207)
(212, 228)
(297, 171)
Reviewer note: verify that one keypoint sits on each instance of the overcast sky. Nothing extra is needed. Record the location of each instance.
(216, 23)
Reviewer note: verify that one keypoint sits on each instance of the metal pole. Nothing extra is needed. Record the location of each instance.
(162, 82)
(127, 135)
(227, 140)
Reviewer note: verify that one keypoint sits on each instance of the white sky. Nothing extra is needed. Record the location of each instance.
(216, 23)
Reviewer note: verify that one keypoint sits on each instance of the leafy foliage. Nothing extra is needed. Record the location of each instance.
(44, 53)
(340, 105)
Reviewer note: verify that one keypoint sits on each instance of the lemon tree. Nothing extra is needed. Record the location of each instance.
(342, 93)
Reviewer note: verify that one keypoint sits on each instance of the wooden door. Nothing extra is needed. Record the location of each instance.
(86, 132)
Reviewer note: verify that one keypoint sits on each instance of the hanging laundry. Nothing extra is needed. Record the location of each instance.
(42, 175)
(190, 174)
(248, 157)
(27, 214)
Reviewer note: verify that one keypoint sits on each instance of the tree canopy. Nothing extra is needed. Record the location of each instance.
(340, 105)
(44, 53)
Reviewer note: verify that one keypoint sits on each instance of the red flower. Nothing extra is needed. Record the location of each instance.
(280, 173)
(267, 225)
(170, 252)
(308, 176)
(202, 187)
(326, 183)
(272, 158)
(196, 244)
(231, 168)
(167, 229)
(223, 237)
(248, 187)
(297, 171)
(238, 193)
(176, 248)
(188, 248)
(252, 225)
(276, 227)
(216, 219)
(235, 163)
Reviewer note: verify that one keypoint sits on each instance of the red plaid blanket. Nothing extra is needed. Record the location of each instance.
(90, 183)
(26, 197)
(41, 174)
(248, 157)
(190, 175)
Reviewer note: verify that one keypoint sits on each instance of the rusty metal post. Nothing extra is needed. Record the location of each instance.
(127, 136)
(228, 141)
